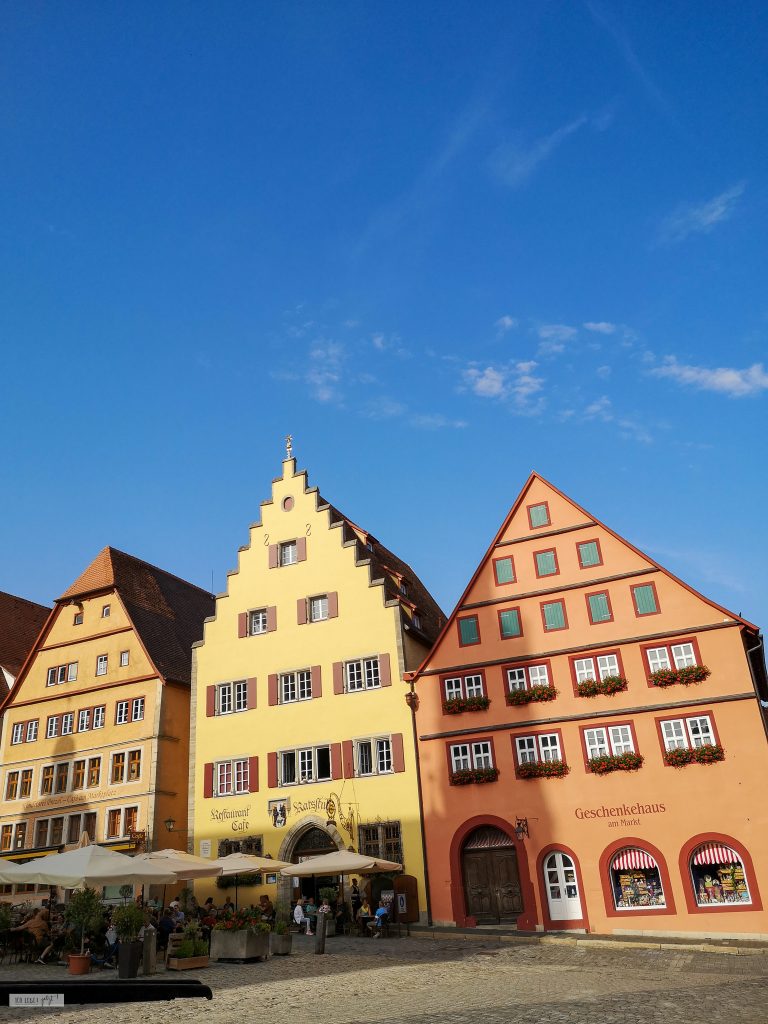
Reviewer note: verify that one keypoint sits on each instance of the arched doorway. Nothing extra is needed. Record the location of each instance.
(491, 876)
(313, 843)
(562, 885)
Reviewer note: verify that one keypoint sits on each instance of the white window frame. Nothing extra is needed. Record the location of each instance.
(257, 622)
(125, 659)
(689, 731)
(137, 709)
(476, 755)
(33, 728)
(597, 667)
(295, 686)
(224, 699)
(317, 608)
(67, 723)
(288, 553)
(99, 716)
(460, 687)
(362, 674)
(52, 727)
(543, 746)
(604, 740)
(305, 761)
(84, 720)
(102, 664)
(379, 756)
(231, 777)
(525, 674)
(106, 611)
(17, 733)
(121, 712)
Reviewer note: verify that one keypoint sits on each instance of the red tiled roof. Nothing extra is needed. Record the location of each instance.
(20, 624)
(167, 612)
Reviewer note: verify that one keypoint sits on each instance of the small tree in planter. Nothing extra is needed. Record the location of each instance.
(84, 913)
(281, 940)
(192, 953)
(128, 921)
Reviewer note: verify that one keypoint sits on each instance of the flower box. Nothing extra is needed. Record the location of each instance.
(242, 944)
(604, 687)
(467, 776)
(187, 963)
(535, 694)
(542, 770)
(281, 944)
(685, 676)
(710, 753)
(628, 762)
(457, 705)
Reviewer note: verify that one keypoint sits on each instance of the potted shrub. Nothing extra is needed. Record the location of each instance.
(240, 935)
(128, 921)
(281, 940)
(84, 913)
(192, 953)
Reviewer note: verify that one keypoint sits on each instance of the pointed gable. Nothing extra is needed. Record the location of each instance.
(20, 624)
(99, 575)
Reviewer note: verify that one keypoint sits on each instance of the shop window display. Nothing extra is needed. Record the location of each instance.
(718, 876)
(635, 881)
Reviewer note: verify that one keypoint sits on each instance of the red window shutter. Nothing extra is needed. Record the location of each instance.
(398, 753)
(274, 558)
(301, 549)
(385, 672)
(272, 690)
(208, 780)
(253, 775)
(335, 760)
(272, 769)
(271, 619)
(250, 685)
(333, 605)
(210, 701)
(242, 625)
(348, 759)
(301, 611)
(338, 677)
(317, 682)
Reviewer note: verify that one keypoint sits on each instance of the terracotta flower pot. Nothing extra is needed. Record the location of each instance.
(79, 963)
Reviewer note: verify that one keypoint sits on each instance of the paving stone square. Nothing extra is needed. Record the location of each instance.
(424, 981)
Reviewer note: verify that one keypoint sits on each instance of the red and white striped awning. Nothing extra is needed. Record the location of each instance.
(632, 860)
(715, 853)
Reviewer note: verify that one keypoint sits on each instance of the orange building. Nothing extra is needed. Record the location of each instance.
(591, 741)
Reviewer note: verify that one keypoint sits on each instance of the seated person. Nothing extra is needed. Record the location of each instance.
(300, 917)
(379, 919)
(165, 926)
(363, 915)
(37, 927)
(266, 909)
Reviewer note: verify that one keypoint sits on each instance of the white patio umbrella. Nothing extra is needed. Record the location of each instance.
(343, 862)
(86, 865)
(184, 865)
(246, 864)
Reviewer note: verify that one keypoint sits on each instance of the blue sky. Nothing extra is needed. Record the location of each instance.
(441, 244)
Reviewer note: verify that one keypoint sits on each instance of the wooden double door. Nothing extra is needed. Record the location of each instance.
(492, 885)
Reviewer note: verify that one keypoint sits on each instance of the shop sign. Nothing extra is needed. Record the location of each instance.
(620, 815)
(278, 811)
(236, 817)
(70, 799)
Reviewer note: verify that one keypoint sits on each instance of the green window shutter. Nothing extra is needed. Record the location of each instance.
(598, 608)
(504, 570)
(510, 623)
(545, 563)
(645, 600)
(554, 615)
(539, 515)
(588, 554)
(468, 630)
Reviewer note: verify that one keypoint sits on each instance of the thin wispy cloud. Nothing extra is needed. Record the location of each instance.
(627, 52)
(324, 375)
(723, 380)
(689, 219)
(504, 324)
(553, 338)
(602, 410)
(514, 164)
(599, 327)
(515, 384)
(389, 343)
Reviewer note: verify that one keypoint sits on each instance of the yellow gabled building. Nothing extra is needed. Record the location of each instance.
(95, 732)
(302, 740)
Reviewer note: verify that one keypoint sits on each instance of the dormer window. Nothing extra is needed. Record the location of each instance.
(105, 611)
(404, 588)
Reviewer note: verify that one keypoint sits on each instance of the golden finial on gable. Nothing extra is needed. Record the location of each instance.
(289, 447)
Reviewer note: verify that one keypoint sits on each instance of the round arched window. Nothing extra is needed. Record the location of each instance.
(636, 881)
(718, 876)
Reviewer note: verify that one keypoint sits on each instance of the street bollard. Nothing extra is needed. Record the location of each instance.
(320, 930)
(150, 950)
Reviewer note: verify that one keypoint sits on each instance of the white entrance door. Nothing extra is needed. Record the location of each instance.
(562, 888)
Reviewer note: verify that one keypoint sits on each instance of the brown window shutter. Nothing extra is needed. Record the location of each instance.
(253, 775)
(250, 685)
(208, 780)
(242, 625)
(333, 605)
(398, 753)
(335, 760)
(272, 769)
(317, 682)
(271, 619)
(272, 690)
(385, 673)
(338, 677)
(301, 611)
(274, 558)
(210, 701)
(301, 549)
(348, 759)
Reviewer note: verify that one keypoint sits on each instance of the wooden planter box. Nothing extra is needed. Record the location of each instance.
(187, 963)
(240, 945)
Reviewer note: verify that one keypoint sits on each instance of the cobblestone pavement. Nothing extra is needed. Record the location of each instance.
(423, 981)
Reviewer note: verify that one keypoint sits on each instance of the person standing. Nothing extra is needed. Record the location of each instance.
(355, 898)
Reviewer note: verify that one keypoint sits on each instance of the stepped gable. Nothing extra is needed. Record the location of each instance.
(167, 612)
(20, 624)
(386, 565)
